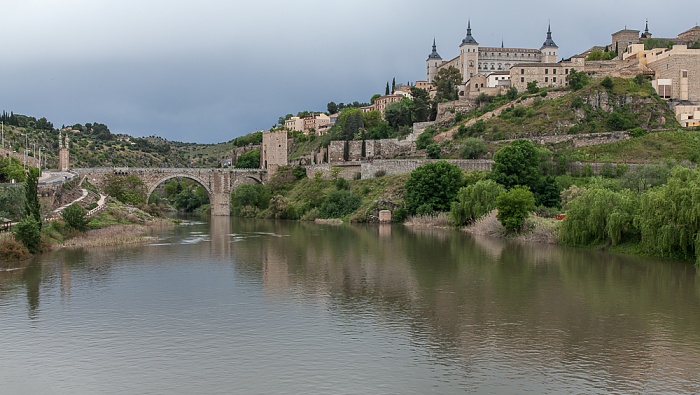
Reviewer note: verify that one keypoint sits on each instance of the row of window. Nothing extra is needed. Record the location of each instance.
(546, 79)
(546, 71)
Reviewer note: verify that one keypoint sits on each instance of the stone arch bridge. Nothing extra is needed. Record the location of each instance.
(217, 182)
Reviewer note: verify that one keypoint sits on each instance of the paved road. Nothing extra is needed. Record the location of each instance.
(48, 177)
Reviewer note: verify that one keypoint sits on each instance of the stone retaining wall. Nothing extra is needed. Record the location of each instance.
(404, 166)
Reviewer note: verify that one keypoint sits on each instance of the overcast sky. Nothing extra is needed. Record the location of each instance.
(207, 71)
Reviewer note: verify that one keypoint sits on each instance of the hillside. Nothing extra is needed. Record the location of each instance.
(97, 147)
(595, 110)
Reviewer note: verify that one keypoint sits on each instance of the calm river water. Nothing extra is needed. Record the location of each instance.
(262, 307)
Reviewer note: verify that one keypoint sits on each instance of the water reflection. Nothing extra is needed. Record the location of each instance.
(550, 319)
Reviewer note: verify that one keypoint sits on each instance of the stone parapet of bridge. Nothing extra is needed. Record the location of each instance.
(219, 183)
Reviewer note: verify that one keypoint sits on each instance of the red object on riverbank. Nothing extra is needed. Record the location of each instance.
(560, 217)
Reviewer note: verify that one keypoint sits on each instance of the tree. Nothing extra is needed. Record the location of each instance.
(332, 108)
(127, 189)
(398, 113)
(577, 79)
(393, 85)
(475, 201)
(532, 87)
(350, 122)
(27, 231)
(523, 163)
(512, 93)
(31, 197)
(374, 98)
(432, 187)
(472, 148)
(514, 206)
(75, 217)
(446, 83)
(248, 160)
(249, 195)
(386, 92)
(517, 164)
(420, 106)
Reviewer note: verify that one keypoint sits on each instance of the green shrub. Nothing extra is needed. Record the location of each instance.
(514, 207)
(637, 132)
(433, 151)
(607, 82)
(379, 173)
(342, 184)
(607, 171)
(28, 233)
(74, 217)
(299, 172)
(423, 140)
(472, 148)
(339, 203)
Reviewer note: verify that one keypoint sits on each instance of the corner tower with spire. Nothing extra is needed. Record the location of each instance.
(549, 50)
(468, 54)
(432, 64)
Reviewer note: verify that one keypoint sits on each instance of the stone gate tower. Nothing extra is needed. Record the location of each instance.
(63, 153)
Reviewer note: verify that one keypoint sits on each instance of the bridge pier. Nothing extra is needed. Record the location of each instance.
(220, 204)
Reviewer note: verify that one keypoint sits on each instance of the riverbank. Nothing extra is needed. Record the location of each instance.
(536, 229)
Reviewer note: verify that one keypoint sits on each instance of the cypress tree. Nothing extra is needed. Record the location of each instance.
(387, 88)
(31, 201)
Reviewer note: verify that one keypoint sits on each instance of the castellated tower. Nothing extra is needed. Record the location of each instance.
(63, 153)
(468, 55)
(549, 50)
(434, 60)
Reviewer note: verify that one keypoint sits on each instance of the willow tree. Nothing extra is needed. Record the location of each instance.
(669, 216)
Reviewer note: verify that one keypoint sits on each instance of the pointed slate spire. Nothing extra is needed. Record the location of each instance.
(469, 39)
(434, 54)
(646, 30)
(502, 44)
(549, 43)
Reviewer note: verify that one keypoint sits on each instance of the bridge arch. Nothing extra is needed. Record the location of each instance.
(165, 178)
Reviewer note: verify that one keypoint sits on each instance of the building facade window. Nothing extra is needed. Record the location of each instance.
(554, 79)
(522, 79)
(546, 79)
(522, 71)
(546, 71)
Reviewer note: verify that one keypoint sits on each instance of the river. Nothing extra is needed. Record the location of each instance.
(228, 306)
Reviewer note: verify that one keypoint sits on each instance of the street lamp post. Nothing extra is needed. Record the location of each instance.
(25, 151)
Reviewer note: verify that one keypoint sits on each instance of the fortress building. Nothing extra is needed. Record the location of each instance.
(476, 60)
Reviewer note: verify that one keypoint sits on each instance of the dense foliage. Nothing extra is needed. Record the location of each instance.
(514, 206)
(126, 188)
(432, 187)
(662, 221)
(75, 217)
(249, 160)
(28, 232)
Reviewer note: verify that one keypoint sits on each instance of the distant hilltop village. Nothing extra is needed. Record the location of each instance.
(673, 68)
